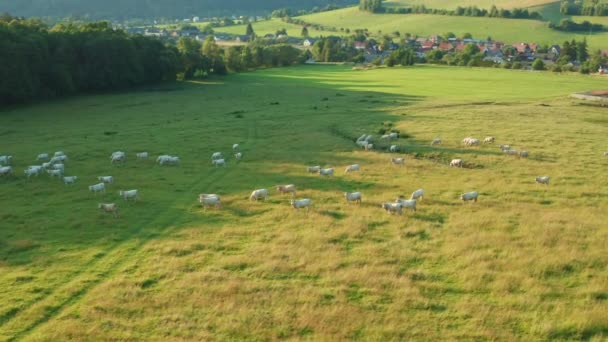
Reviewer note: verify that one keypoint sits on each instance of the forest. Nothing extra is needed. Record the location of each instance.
(41, 62)
(129, 9)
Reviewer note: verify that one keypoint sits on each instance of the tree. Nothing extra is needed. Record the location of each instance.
(246, 58)
(467, 36)
(304, 32)
(581, 51)
(249, 30)
(538, 64)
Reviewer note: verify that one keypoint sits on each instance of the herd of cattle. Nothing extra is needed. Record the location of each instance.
(55, 167)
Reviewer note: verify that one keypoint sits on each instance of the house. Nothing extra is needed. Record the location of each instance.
(196, 19)
(136, 30)
(427, 45)
(495, 55)
(243, 39)
(446, 47)
(603, 69)
(522, 48)
(220, 38)
(201, 37)
(555, 50)
(309, 42)
(360, 45)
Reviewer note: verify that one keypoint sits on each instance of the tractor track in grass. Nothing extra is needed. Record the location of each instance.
(98, 270)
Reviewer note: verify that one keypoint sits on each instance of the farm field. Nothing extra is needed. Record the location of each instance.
(507, 30)
(272, 26)
(526, 262)
(450, 4)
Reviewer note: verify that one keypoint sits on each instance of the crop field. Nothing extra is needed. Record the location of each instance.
(526, 262)
(507, 30)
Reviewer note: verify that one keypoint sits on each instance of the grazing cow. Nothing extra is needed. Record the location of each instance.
(542, 180)
(109, 208)
(169, 160)
(456, 163)
(394, 148)
(369, 147)
(289, 188)
(418, 194)
(33, 171)
(488, 140)
(162, 157)
(393, 135)
(398, 161)
(470, 141)
(218, 162)
(58, 159)
(6, 170)
(54, 173)
(118, 157)
(351, 168)
(393, 208)
(313, 169)
(301, 203)
(258, 194)
(353, 196)
(58, 167)
(142, 155)
(511, 152)
(42, 156)
(100, 187)
(207, 200)
(59, 154)
(469, 196)
(504, 147)
(436, 141)
(238, 156)
(106, 179)
(47, 165)
(235, 147)
(326, 172)
(606, 154)
(69, 180)
(129, 194)
(362, 143)
(523, 154)
(405, 203)
(6, 159)
(217, 155)
(385, 136)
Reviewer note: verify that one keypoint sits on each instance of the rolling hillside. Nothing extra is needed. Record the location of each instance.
(120, 9)
(450, 4)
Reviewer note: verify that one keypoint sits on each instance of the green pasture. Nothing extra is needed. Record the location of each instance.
(526, 262)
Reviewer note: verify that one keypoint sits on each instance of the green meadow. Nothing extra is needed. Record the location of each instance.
(526, 262)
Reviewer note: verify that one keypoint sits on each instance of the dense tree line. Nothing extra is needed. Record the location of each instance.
(571, 26)
(374, 6)
(37, 62)
(471, 11)
(580, 7)
(128, 9)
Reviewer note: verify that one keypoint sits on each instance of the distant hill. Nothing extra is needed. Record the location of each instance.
(122, 9)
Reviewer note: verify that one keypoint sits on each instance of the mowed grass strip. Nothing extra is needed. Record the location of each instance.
(525, 262)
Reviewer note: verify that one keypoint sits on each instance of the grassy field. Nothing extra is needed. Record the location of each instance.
(508, 30)
(451, 4)
(526, 262)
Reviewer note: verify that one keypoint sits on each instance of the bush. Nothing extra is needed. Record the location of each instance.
(517, 65)
(538, 64)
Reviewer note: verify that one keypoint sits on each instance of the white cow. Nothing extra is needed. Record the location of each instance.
(289, 188)
(207, 200)
(398, 161)
(393, 135)
(106, 179)
(6, 159)
(351, 168)
(542, 180)
(436, 141)
(129, 194)
(42, 156)
(504, 147)
(238, 156)
(301, 203)
(313, 169)
(511, 152)
(235, 147)
(47, 165)
(169, 160)
(218, 162)
(217, 155)
(162, 157)
(55, 173)
(58, 159)
(33, 171)
(6, 170)
(100, 187)
(456, 163)
(470, 141)
(405, 203)
(58, 167)
(469, 196)
(142, 155)
(394, 148)
(488, 140)
(109, 208)
(58, 154)
(327, 172)
(418, 194)
(353, 197)
(118, 157)
(393, 208)
(258, 194)
(369, 147)
(385, 136)
(524, 154)
(69, 180)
